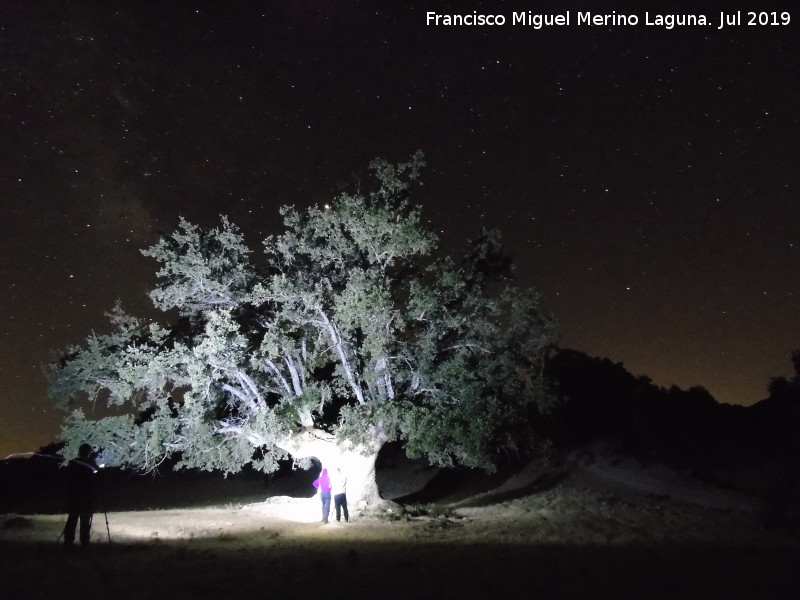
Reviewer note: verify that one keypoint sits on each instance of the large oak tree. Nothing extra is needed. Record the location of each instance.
(350, 329)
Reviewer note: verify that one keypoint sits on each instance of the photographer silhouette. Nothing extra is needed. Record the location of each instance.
(81, 494)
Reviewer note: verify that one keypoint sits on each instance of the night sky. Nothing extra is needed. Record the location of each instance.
(647, 180)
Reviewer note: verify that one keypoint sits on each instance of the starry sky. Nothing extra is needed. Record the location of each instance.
(646, 179)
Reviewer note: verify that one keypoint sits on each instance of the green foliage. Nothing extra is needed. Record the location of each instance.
(355, 326)
(201, 270)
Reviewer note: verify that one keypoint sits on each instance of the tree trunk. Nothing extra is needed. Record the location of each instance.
(356, 462)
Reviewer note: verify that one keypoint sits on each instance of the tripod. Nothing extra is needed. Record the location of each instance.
(105, 510)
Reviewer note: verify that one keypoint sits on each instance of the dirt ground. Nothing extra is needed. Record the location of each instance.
(585, 533)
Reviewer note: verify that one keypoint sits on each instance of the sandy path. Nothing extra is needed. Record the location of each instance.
(566, 541)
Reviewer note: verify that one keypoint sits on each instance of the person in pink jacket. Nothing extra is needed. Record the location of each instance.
(323, 484)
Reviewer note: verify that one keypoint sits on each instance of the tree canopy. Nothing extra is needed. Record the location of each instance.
(350, 328)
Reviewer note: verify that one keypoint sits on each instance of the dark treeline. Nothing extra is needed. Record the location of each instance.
(751, 448)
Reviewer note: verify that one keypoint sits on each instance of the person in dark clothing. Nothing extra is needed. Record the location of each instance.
(339, 491)
(81, 476)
